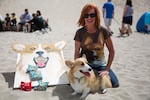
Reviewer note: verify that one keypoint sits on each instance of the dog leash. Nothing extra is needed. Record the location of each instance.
(116, 21)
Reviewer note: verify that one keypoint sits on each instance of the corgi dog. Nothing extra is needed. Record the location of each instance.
(124, 31)
(83, 79)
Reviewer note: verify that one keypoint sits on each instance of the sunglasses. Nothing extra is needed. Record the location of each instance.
(92, 15)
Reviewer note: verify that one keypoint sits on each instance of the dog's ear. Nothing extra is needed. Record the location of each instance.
(69, 63)
(119, 28)
(60, 45)
(84, 56)
(18, 47)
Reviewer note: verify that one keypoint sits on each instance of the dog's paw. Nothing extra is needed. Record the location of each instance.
(74, 93)
(103, 91)
(83, 96)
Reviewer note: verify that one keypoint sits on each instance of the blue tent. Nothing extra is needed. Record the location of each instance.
(143, 22)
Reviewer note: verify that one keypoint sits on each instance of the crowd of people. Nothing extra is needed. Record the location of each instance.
(8, 23)
(27, 23)
(127, 16)
(33, 22)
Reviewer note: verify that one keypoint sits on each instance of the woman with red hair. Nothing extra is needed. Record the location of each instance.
(91, 38)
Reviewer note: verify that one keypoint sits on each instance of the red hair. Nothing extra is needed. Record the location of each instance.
(85, 10)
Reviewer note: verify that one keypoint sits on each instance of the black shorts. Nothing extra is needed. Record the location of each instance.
(127, 20)
(21, 24)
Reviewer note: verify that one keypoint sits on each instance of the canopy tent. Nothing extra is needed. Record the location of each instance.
(143, 24)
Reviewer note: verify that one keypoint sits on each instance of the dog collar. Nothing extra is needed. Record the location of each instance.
(79, 79)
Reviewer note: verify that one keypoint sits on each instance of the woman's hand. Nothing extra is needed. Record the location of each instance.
(103, 73)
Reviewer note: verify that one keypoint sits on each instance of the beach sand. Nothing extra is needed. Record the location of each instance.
(132, 54)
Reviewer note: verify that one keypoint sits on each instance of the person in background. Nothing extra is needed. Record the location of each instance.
(2, 24)
(24, 18)
(7, 22)
(108, 14)
(90, 40)
(36, 23)
(13, 19)
(127, 17)
(38, 14)
(44, 23)
(40, 19)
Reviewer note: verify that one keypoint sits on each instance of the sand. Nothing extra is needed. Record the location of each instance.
(132, 57)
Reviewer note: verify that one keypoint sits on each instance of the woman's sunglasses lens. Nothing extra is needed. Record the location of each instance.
(90, 15)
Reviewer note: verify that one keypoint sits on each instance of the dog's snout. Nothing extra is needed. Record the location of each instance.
(39, 53)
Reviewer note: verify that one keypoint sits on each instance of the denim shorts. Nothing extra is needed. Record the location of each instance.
(113, 77)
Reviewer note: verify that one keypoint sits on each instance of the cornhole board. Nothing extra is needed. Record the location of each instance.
(49, 59)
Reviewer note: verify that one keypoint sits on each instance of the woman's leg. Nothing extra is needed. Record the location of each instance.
(123, 22)
(129, 28)
(27, 27)
(114, 79)
(122, 27)
(129, 23)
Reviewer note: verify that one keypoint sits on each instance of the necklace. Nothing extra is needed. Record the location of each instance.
(91, 29)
